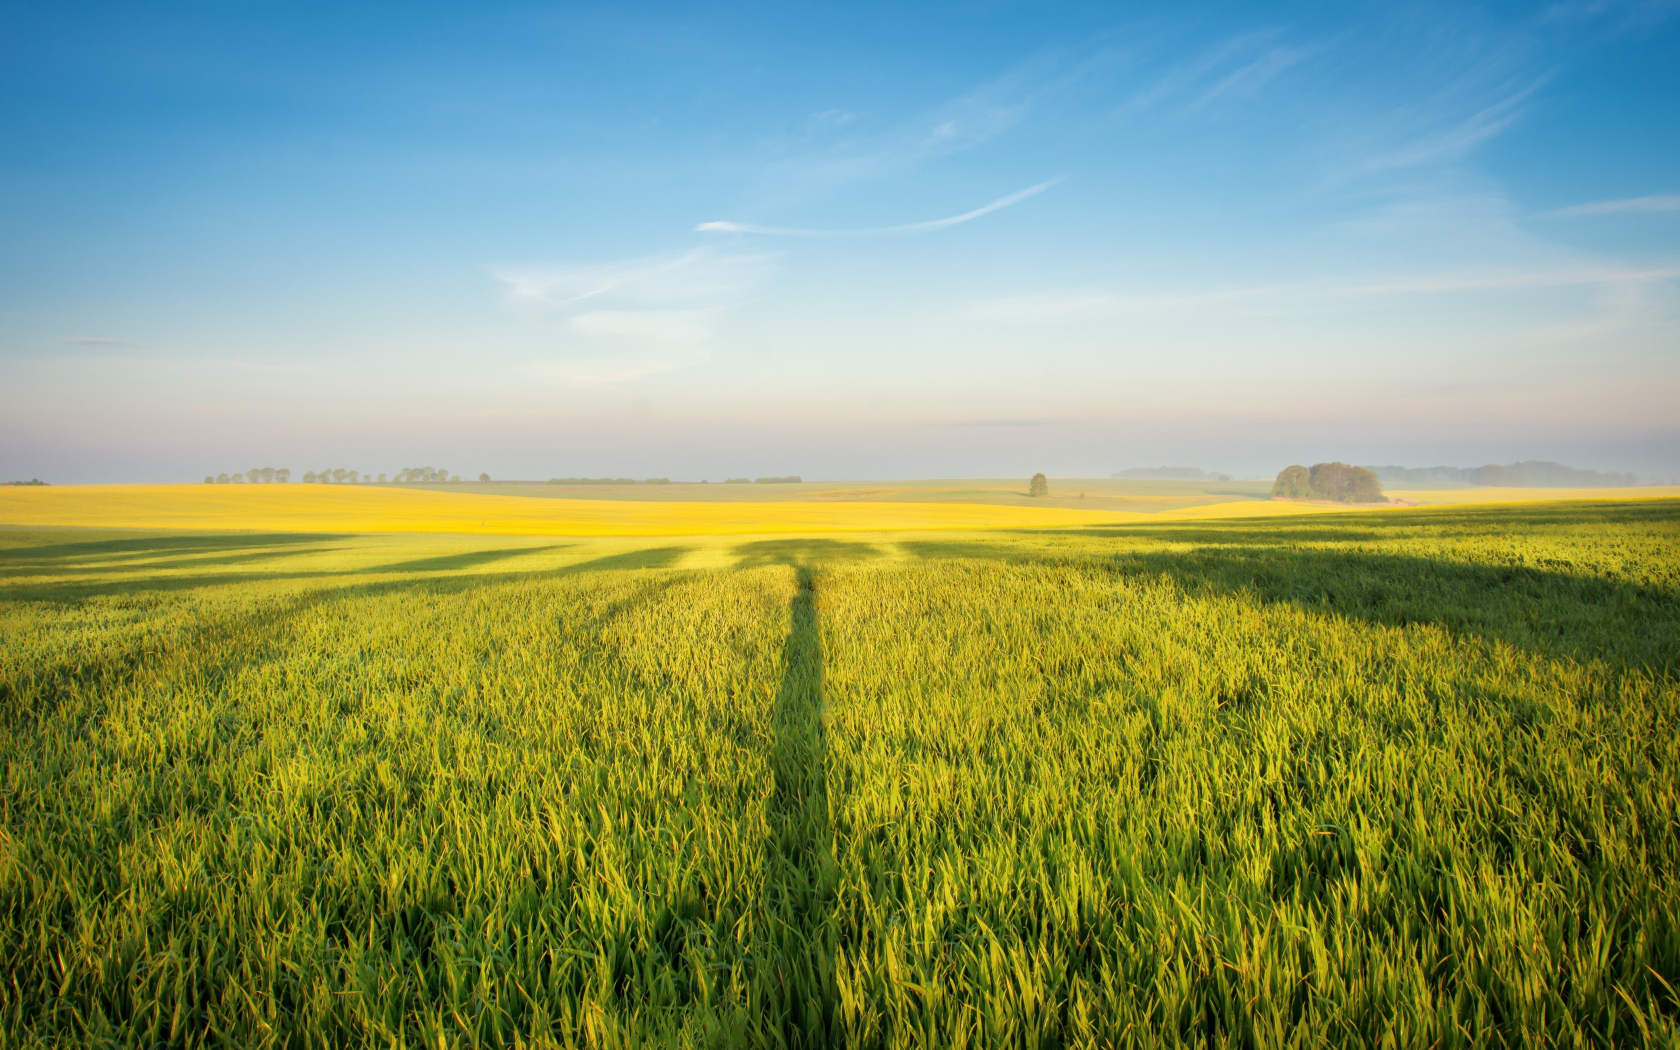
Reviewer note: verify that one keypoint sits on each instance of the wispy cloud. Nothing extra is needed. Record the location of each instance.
(1663, 202)
(1085, 305)
(661, 328)
(1252, 77)
(1460, 138)
(628, 320)
(702, 276)
(103, 341)
(882, 231)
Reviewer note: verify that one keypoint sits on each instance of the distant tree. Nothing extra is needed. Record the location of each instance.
(355, 476)
(1293, 483)
(208, 480)
(309, 477)
(1039, 486)
(657, 481)
(338, 475)
(1492, 475)
(382, 479)
(238, 479)
(454, 477)
(737, 481)
(791, 479)
(283, 475)
(222, 479)
(267, 475)
(484, 477)
(1345, 484)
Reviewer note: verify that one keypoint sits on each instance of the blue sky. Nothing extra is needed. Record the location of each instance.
(869, 241)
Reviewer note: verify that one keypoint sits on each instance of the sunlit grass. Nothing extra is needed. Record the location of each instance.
(1404, 776)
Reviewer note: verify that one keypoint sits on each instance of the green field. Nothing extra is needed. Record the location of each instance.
(1407, 778)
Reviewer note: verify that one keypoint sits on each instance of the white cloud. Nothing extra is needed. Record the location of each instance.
(1666, 202)
(882, 231)
(628, 320)
(103, 341)
(677, 328)
(1074, 306)
(703, 276)
(1454, 142)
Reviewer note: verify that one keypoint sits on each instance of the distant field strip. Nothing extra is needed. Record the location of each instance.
(328, 508)
(1466, 497)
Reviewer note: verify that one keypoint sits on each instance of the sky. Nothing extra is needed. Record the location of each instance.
(842, 241)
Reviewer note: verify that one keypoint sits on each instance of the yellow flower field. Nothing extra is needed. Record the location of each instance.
(330, 508)
(334, 508)
(385, 509)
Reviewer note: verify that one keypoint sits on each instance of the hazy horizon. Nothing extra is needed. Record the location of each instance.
(879, 242)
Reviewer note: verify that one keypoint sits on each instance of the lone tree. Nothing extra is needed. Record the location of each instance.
(1338, 482)
(1039, 486)
(484, 477)
(208, 480)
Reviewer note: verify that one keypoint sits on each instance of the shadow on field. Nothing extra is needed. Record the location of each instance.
(160, 552)
(1542, 607)
(651, 558)
(801, 552)
(801, 877)
(466, 560)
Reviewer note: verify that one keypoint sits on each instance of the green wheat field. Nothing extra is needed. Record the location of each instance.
(1405, 779)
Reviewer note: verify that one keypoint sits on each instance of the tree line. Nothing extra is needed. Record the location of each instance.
(336, 476)
(1530, 473)
(254, 476)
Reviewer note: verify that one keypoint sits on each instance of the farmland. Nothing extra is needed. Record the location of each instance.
(1008, 777)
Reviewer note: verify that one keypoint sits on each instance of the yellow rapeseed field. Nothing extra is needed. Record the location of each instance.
(366, 509)
(332, 508)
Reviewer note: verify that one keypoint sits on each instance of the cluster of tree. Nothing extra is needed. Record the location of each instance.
(791, 479)
(31, 481)
(421, 475)
(1531, 473)
(338, 476)
(1038, 486)
(1172, 474)
(592, 481)
(255, 475)
(1328, 481)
